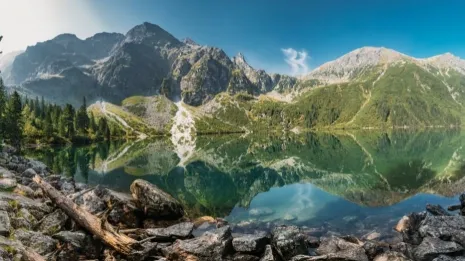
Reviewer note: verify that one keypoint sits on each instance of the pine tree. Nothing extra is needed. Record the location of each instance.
(14, 122)
(67, 122)
(2, 108)
(48, 128)
(82, 119)
(92, 123)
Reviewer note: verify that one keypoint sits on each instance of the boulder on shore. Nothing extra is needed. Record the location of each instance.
(155, 202)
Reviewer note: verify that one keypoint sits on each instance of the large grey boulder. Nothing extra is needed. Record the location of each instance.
(289, 241)
(5, 225)
(41, 243)
(179, 231)
(7, 184)
(89, 200)
(268, 255)
(251, 243)
(79, 242)
(452, 227)
(431, 248)
(155, 202)
(211, 246)
(16, 202)
(53, 223)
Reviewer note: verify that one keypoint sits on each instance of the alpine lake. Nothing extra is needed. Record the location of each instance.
(356, 182)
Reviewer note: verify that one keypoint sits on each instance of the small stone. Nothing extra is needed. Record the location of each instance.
(20, 222)
(5, 225)
(24, 191)
(391, 256)
(7, 184)
(76, 239)
(29, 173)
(244, 257)
(250, 243)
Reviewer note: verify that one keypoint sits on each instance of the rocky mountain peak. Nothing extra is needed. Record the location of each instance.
(349, 65)
(447, 61)
(240, 61)
(189, 41)
(150, 34)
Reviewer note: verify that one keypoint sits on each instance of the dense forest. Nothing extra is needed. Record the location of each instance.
(32, 121)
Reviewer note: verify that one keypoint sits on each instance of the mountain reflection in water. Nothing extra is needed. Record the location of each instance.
(353, 182)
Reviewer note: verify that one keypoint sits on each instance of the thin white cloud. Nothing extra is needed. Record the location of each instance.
(297, 60)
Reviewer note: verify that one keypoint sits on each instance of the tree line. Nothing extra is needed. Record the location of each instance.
(35, 121)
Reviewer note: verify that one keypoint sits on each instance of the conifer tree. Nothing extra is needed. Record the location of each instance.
(13, 121)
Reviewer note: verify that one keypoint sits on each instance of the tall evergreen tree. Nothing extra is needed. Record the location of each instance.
(67, 122)
(2, 109)
(13, 121)
(82, 119)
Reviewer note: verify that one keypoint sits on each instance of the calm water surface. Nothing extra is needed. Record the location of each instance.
(349, 182)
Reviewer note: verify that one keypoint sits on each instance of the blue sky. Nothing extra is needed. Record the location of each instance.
(261, 29)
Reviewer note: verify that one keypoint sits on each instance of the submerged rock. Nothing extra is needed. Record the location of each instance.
(155, 202)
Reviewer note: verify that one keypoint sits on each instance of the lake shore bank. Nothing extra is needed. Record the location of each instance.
(156, 223)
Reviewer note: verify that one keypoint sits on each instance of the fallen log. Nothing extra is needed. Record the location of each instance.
(28, 253)
(98, 227)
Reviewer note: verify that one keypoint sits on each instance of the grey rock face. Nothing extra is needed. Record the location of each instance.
(431, 248)
(4, 223)
(211, 246)
(250, 243)
(391, 256)
(41, 243)
(452, 227)
(155, 202)
(178, 231)
(53, 223)
(289, 241)
(76, 239)
(7, 184)
(90, 201)
(268, 254)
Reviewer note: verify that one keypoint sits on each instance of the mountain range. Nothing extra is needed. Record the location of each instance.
(367, 88)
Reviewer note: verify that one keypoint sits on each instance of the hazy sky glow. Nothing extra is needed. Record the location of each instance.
(279, 36)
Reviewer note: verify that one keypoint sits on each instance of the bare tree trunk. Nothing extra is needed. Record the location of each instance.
(102, 229)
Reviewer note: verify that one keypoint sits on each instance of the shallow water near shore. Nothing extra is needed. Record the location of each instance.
(347, 183)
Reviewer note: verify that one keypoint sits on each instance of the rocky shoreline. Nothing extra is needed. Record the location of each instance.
(33, 226)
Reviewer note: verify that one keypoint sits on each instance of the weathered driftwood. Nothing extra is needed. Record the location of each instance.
(100, 228)
(28, 253)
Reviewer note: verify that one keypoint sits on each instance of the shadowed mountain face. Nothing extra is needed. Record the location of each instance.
(243, 177)
(146, 61)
